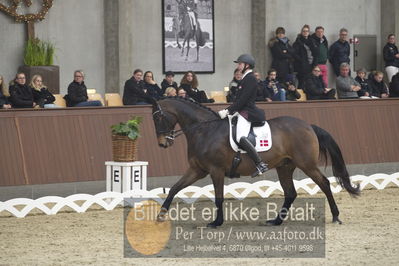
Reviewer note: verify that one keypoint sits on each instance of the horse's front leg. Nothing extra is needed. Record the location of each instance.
(186, 180)
(218, 184)
(188, 48)
(182, 48)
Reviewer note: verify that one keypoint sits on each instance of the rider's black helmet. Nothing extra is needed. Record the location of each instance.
(247, 59)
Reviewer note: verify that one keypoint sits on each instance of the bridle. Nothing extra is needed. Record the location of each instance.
(173, 134)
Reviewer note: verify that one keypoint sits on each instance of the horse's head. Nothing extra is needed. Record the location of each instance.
(164, 125)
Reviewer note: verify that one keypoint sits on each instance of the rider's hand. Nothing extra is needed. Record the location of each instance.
(223, 113)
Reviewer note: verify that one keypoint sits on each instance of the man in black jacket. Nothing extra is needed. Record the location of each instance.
(77, 92)
(135, 92)
(339, 51)
(391, 57)
(245, 106)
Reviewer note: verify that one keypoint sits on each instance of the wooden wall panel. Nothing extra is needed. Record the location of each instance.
(69, 145)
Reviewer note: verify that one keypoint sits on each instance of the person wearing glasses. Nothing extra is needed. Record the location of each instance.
(21, 95)
(339, 51)
(315, 88)
(77, 92)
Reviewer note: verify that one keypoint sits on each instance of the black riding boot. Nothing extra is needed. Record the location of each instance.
(261, 167)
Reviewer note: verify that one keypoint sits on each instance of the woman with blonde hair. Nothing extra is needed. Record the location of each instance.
(4, 94)
(41, 94)
(170, 92)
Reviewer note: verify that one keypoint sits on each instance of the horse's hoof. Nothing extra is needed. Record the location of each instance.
(275, 222)
(336, 220)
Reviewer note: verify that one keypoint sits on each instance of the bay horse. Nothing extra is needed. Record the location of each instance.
(296, 144)
(189, 31)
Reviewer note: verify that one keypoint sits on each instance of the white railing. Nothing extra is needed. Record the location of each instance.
(110, 200)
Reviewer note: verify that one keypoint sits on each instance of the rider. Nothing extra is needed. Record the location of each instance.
(245, 106)
(190, 7)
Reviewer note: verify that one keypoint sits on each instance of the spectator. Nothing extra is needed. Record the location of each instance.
(168, 82)
(77, 92)
(340, 51)
(233, 86)
(304, 49)
(4, 94)
(292, 93)
(41, 95)
(274, 91)
(283, 55)
(189, 83)
(21, 95)
(261, 94)
(347, 86)
(182, 93)
(170, 92)
(364, 85)
(377, 86)
(391, 57)
(135, 92)
(315, 88)
(152, 88)
(394, 86)
(321, 55)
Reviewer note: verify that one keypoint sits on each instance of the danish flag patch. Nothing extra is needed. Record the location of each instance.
(264, 143)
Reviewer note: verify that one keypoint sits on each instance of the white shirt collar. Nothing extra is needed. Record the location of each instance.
(246, 73)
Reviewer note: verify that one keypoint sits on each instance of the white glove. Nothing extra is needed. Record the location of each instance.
(223, 113)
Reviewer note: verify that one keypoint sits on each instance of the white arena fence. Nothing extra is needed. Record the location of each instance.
(193, 44)
(51, 205)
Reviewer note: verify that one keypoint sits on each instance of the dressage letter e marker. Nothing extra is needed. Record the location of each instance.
(126, 176)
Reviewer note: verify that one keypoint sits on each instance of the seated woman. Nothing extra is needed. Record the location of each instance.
(4, 94)
(21, 95)
(134, 92)
(315, 89)
(292, 93)
(394, 86)
(273, 87)
(152, 88)
(233, 86)
(377, 86)
(170, 92)
(77, 92)
(189, 83)
(41, 94)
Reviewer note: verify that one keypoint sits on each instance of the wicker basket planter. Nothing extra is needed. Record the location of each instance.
(123, 149)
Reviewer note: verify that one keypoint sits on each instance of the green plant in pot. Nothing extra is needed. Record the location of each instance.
(124, 140)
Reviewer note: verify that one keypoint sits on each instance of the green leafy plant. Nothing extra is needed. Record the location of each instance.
(129, 128)
(39, 53)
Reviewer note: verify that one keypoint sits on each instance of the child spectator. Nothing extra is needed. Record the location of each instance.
(377, 86)
(168, 82)
(4, 94)
(77, 92)
(41, 94)
(152, 88)
(21, 95)
(364, 83)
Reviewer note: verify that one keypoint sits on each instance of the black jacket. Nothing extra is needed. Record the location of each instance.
(262, 93)
(4, 100)
(165, 85)
(43, 97)
(21, 96)
(153, 90)
(195, 94)
(233, 89)
(377, 88)
(301, 64)
(77, 93)
(134, 92)
(245, 101)
(339, 53)
(390, 50)
(283, 58)
(364, 84)
(314, 87)
(394, 86)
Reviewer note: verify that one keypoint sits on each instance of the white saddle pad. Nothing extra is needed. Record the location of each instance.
(263, 134)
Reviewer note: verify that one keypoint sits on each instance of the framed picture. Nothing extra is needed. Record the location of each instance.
(188, 36)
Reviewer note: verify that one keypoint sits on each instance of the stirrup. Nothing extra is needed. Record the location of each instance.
(260, 169)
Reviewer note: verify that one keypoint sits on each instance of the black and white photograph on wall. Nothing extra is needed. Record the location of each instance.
(188, 36)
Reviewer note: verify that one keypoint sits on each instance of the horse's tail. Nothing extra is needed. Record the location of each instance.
(328, 145)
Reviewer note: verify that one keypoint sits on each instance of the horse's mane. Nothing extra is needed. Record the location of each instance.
(191, 102)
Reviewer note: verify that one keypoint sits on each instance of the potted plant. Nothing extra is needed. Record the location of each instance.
(39, 59)
(124, 140)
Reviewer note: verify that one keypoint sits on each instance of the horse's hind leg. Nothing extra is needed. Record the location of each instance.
(324, 184)
(285, 176)
(217, 176)
(188, 49)
(187, 179)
